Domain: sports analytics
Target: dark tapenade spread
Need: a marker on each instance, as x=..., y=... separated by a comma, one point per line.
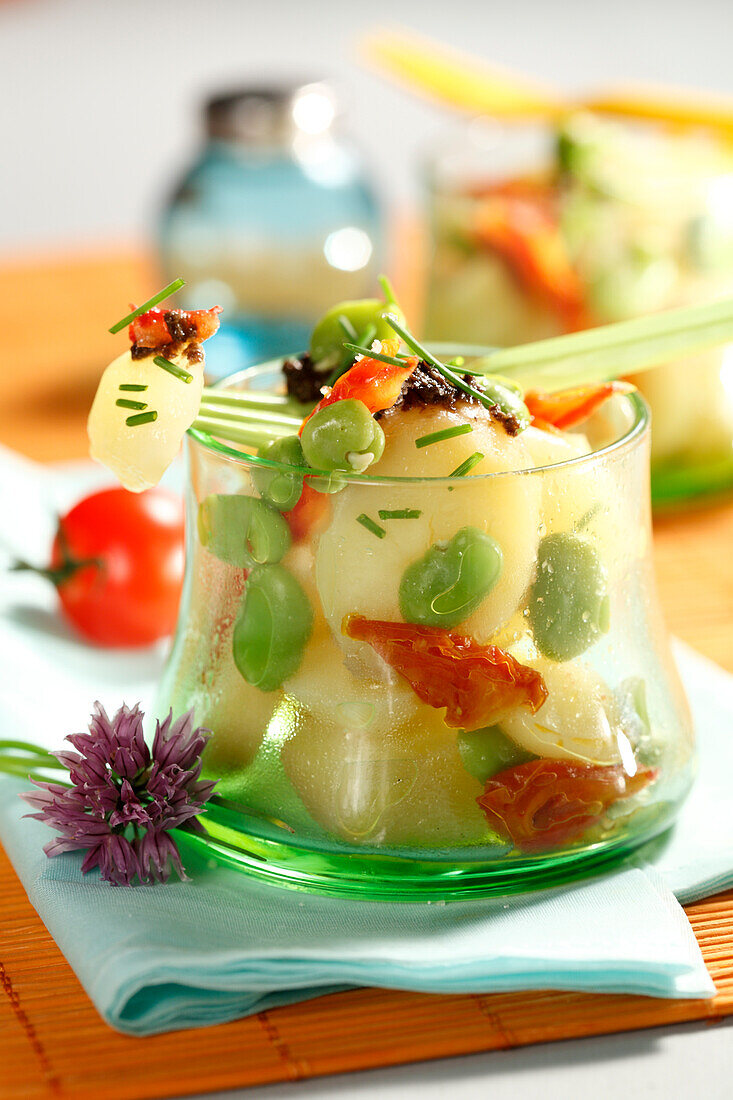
x=182, y=330
x=426, y=386
x=302, y=380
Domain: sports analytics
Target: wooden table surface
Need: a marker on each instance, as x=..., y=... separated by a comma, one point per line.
x=55, y=313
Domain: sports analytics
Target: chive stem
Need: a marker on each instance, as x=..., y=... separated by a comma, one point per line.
x=469, y=464
x=133, y=387
x=399, y=513
x=367, y=335
x=371, y=525
x=347, y=326
x=377, y=355
x=173, y=368
x=123, y=403
x=164, y=293
x=141, y=418
x=388, y=291
x=444, y=433
x=450, y=375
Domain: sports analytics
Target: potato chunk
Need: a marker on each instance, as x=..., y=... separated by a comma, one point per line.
x=140, y=454
x=375, y=766
x=358, y=573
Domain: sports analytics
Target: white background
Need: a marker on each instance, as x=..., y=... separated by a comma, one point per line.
x=99, y=98
x=98, y=113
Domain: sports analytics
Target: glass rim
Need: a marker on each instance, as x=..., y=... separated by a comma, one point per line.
x=628, y=439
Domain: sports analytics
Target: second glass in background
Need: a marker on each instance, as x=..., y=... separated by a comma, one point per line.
x=536, y=232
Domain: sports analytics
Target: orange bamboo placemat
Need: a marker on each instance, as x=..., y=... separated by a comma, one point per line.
x=54, y=313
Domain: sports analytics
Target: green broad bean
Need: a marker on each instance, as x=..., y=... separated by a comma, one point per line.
x=282, y=490
x=448, y=583
x=486, y=751
x=343, y=436
x=272, y=629
x=568, y=603
x=241, y=530
x=506, y=394
x=328, y=337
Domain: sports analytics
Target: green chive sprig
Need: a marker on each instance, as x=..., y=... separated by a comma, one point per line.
x=444, y=433
x=428, y=357
x=173, y=368
x=371, y=525
x=141, y=418
x=124, y=403
x=399, y=513
x=368, y=354
x=133, y=387
x=164, y=293
x=347, y=326
x=469, y=464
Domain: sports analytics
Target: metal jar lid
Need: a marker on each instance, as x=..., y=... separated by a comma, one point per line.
x=270, y=114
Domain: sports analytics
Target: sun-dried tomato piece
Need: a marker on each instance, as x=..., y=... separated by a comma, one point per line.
x=159, y=327
x=476, y=684
x=524, y=231
x=548, y=803
x=371, y=381
x=566, y=408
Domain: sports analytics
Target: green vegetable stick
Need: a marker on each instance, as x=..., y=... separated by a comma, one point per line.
x=611, y=351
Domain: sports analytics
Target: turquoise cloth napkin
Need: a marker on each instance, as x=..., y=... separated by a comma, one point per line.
x=184, y=955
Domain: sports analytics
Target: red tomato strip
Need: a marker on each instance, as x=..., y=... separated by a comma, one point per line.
x=307, y=513
x=159, y=327
x=566, y=408
x=525, y=233
x=375, y=383
x=548, y=803
x=476, y=684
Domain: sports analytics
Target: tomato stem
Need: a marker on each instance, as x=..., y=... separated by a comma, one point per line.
x=65, y=571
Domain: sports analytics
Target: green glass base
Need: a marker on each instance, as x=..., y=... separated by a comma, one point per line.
x=676, y=484
x=375, y=876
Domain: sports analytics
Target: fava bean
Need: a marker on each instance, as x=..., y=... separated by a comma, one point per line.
x=448, y=583
x=241, y=530
x=327, y=340
x=506, y=394
x=343, y=436
x=272, y=629
x=486, y=751
x=568, y=603
x=281, y=489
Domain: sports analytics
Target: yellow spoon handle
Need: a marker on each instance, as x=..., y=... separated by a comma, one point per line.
x=467, y=84
x=460, y=81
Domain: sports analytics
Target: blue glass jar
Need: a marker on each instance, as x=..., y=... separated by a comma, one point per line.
x=275, y=221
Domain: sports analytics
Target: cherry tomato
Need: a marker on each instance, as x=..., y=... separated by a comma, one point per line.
x=475, y=683
x=117, y=563
x=548, y=803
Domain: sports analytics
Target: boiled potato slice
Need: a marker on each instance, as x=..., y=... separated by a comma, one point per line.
x=574, y=723
x=372, y=764
x=140, y=454
x=358, y=573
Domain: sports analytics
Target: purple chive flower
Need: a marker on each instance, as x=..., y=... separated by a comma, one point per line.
x=125, y=798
